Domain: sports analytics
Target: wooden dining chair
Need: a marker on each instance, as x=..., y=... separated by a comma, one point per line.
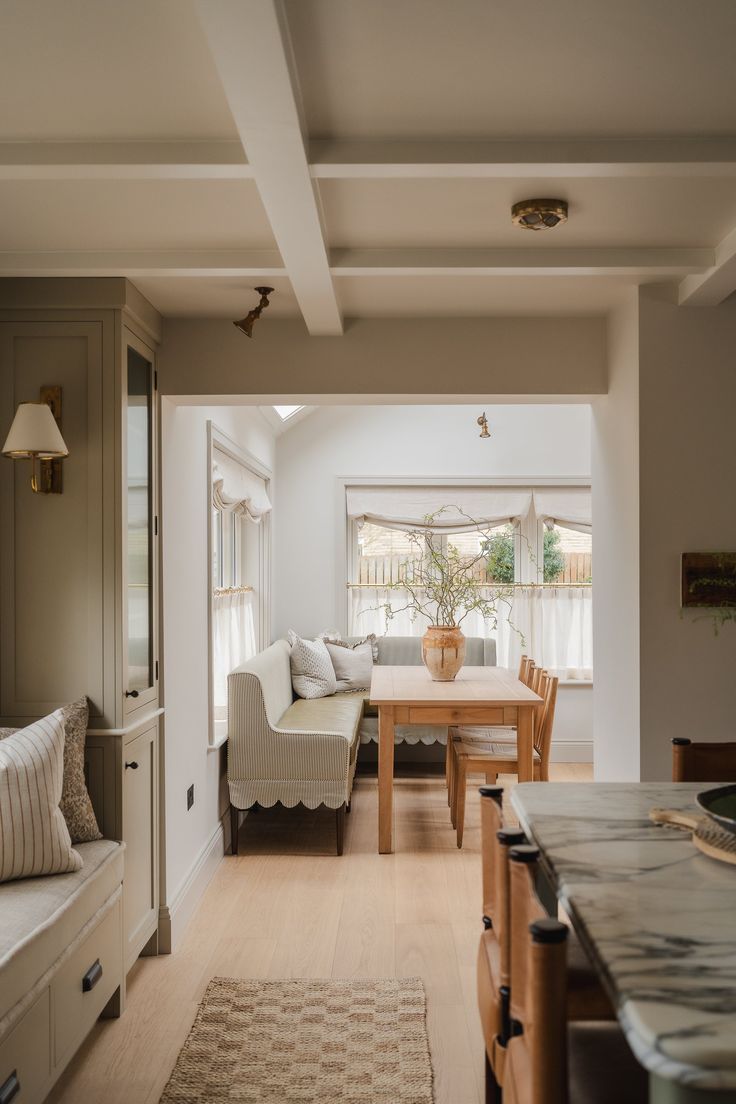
x=494, y=945
x=703, y=762
x=523, y=664
x=551, y=1059
x=499, y=755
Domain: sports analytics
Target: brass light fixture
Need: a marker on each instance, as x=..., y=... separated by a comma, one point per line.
x=482, y=421
x=539, y=214
x=36, y=435
x=245, y=325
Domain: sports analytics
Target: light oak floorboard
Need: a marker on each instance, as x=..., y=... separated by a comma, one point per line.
x=289, y=907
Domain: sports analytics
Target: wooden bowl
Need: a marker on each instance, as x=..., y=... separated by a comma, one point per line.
x=720, y=805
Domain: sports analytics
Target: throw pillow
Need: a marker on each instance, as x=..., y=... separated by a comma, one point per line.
x=312, y=673
x=34, y=838
x=334, y=637
x=75, y=805
x=353, y=665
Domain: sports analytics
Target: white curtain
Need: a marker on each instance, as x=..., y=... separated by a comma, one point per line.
x=236, y=489
x=234, y=640
x=555, y=622
x=571, y=507
x=469, y=508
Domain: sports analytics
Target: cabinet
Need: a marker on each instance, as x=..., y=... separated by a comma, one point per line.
x=79, y=571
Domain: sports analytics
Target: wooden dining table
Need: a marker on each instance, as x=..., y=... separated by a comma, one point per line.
x=476, y=696
x=658, y=920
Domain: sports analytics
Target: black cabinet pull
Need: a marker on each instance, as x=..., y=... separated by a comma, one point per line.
x=129, y=694
x=10, y=1088
x=92, y=976
x=133, y=766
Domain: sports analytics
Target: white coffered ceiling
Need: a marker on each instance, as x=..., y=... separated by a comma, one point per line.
x=361, y=156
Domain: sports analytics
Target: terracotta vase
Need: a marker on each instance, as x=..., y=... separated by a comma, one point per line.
x=443, y=651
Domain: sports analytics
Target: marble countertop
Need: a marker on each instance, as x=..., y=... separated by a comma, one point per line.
x=656, y=916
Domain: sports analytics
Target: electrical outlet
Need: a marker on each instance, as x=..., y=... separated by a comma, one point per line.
x=190, y=797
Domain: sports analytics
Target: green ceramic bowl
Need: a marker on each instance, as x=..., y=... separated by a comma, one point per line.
x=720, y=805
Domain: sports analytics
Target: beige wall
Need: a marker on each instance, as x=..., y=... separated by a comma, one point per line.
x=468, y=356
x=687, y=405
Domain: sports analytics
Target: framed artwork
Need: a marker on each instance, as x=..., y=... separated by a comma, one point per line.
x=708, y=579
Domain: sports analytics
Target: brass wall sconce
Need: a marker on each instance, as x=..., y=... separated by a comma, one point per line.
x=36, y=435
x=245, y=325
x=482, y=421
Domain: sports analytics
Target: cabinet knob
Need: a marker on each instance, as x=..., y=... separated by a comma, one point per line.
x=132, y=693
x=133, y=765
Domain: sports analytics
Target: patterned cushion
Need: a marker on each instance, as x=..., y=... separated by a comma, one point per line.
x=312, y=673
x=353, y=665
x=75, y=803
x=334, y=637
x=34, y=838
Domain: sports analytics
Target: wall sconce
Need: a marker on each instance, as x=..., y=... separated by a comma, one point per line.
x=482, y=421
x=35, y=434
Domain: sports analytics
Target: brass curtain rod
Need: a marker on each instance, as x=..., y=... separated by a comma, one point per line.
x=219, y=592
x=501, y=586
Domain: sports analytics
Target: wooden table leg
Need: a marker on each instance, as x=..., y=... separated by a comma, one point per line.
x=385, y=779
x=525, y=744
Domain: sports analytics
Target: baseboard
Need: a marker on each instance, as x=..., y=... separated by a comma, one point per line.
x=572, y=751
x=174, y=917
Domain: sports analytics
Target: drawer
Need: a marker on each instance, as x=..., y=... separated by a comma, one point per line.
x=85, y=983
x=25, y=1055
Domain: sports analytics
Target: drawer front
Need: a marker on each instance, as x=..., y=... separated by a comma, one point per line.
x=140, y=884
x=25, y=1055
x=85, y=983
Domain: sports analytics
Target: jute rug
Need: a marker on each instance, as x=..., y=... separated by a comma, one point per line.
x=306, y=1042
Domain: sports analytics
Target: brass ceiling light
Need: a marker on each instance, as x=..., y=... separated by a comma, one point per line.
x=539, y=214
x=482, y=421
x=245, y=325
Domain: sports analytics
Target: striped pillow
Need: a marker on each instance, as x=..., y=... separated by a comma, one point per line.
x=34, y=838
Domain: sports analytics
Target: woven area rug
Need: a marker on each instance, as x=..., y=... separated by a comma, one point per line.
x=306, y=1042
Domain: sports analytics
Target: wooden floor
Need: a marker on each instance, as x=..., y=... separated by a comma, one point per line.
x=288, y=907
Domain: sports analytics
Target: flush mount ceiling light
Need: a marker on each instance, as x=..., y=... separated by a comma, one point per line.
x=539, y=214
x=245, y=325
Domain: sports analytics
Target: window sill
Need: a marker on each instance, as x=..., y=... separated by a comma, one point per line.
x=587, y=683
x=218, y=742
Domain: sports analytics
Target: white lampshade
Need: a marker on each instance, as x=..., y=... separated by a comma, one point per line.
x=34, y=432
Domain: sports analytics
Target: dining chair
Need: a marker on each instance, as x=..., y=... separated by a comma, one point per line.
x=492, y=756
x=523, y=664
x=494, y=945
x=703, y=762
x=551, y=1058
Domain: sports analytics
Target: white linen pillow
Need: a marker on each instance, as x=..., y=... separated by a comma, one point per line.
x=312, y=673
x=334, y=637
x=34, y=838
x=353, y=665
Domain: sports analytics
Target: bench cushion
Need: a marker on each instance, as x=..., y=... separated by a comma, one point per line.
x=338, y=714
x=42, y=916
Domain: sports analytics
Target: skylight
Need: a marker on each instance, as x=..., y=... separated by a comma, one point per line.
x=285, y=412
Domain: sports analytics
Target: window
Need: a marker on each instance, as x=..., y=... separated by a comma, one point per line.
x=239, y=577
x=541, y=555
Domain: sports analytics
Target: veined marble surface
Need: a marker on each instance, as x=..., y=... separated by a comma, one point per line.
x=656, y=916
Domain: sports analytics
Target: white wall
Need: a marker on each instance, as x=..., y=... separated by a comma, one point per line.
x=185, y=521
x=687, y=406
x=527, y=442
x=615, y=460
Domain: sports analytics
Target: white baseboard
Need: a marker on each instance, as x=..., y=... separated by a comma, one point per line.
x=174, y=917
x=572, y=751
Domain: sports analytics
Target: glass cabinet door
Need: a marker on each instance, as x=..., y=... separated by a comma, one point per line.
x=138, y=555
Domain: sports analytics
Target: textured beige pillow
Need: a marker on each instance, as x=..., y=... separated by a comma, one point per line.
x=75, y=805
x=34, y=838
x=353, y=665
x=312, y=673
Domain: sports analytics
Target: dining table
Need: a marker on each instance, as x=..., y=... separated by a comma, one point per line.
x=657, y=918
x=408, y=695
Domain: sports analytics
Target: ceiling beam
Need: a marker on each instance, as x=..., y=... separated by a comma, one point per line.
x=335, y=159
x=123, y=161
x=526, y=261
x=261, y=263
x=251, y=49
x=711, y=287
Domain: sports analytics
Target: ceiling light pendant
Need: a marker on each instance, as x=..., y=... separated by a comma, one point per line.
x=482, y=421
x=539, y=214
x=245, y=325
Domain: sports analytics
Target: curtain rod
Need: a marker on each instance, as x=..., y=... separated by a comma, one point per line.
x=501, y=586
x=219, y=592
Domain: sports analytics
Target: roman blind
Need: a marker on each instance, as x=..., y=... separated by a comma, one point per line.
x=237, y=490
x=467, y=508
x=570, y=507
